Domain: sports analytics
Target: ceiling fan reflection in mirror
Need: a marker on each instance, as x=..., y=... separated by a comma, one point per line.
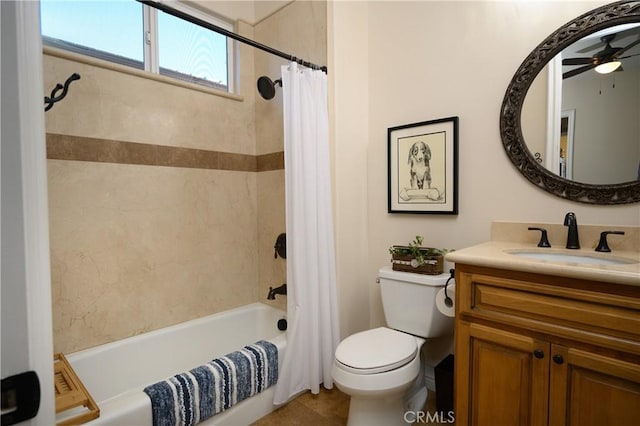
x=604, y=61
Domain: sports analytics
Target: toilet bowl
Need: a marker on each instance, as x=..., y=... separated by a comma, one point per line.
x=377, y=367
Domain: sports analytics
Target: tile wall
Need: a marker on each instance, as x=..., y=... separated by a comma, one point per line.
x=164, y=201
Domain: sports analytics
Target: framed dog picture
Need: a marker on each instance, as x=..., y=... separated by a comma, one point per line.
x=423, y=167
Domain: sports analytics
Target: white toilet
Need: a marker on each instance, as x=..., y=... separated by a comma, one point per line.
x=381, y=368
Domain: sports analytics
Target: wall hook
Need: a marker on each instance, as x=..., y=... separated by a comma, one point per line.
x=50, y=100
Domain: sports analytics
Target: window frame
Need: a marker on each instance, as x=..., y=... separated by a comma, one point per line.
x=150, y=40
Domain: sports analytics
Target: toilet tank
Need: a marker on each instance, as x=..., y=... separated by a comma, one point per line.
x=409, y=302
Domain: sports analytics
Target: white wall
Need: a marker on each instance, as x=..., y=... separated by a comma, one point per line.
x=397, y=62
x=26, y=343
x=606, y=130
x=348, y=57
x=249, y=11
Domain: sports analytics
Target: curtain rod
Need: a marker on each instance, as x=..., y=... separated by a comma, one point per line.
x=179, y=14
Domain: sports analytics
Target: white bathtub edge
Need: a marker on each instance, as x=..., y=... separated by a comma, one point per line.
x=138, y=405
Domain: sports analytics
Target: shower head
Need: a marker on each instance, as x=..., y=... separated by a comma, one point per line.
x=267, y=88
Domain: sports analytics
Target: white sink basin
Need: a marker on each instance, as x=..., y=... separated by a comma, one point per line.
x=561, y=257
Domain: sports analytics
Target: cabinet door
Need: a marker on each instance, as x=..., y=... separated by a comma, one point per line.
x=591, y=389
x=502, y=378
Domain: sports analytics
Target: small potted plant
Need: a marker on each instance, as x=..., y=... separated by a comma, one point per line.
x=415, y=258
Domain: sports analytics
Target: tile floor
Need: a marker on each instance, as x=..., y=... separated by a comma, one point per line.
x=328, y=408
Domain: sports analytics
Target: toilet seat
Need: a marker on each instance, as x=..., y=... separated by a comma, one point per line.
x=376, y=351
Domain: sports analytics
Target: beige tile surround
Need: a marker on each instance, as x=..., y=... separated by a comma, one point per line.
x=164, y=201
x=130, y=241
x=135, y=248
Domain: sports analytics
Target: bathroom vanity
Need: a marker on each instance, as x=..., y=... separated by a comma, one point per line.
x=545, y=342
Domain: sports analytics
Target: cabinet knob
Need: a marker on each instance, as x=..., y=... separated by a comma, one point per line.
x=538, y=353
x=558, y=359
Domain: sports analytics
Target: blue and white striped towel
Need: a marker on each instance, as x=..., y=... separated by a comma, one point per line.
x=189, y=398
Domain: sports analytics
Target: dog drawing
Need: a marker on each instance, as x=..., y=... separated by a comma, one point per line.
x=419, y=156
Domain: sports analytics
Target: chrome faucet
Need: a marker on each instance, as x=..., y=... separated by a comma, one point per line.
x=573, y=241
x=278, y=290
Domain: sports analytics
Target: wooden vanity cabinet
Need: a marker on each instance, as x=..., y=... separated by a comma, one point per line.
x=532, y=349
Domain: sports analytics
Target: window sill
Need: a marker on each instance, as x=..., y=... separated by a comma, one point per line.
x=60, y=53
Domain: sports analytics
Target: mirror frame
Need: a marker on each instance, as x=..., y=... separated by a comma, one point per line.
x=621, y=12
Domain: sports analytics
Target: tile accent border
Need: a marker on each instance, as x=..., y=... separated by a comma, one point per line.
x=78, y=148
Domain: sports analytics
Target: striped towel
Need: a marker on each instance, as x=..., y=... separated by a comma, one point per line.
x=189, y=398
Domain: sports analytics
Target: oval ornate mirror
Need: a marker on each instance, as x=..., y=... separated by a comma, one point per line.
x=596, y=28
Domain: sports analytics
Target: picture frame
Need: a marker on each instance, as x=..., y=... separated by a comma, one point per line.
x=423, y=167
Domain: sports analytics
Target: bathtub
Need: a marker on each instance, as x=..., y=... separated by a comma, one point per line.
x=116, y=373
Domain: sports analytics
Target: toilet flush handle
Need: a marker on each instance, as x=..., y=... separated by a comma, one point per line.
x=448, y=301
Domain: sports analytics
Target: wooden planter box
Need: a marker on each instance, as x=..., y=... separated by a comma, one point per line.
x=434, y=265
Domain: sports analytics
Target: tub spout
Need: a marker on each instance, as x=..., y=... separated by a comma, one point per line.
x=278, y=290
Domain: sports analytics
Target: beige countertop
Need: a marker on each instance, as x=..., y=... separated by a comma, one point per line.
x=495, y=254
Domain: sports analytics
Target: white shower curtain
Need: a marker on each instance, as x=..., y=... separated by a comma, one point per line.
x=312, y=314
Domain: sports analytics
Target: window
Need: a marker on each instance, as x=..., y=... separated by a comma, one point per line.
x=188, y=49
x=132, y=34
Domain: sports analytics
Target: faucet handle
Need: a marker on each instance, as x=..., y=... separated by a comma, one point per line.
x=602, y=245
x=544, y=241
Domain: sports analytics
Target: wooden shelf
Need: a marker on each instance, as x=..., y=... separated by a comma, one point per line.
x=71, y=393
